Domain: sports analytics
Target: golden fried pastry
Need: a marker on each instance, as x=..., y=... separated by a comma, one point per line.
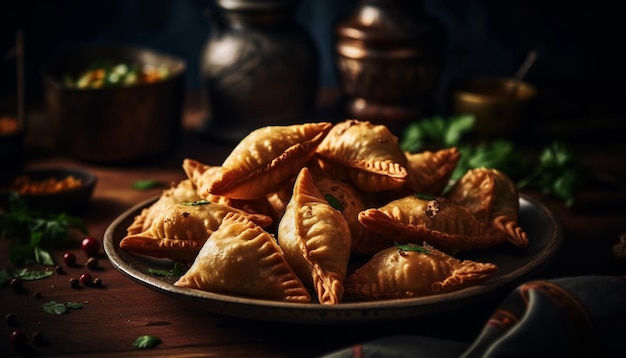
x=343, y=197
x=429, y=172
x=439, y=222
x=364, y=154
x=491, y=196
x=182, y=192
x=202, y=175
x=265, y=158
x=412, y=270
x=279, y=199
x=242, y=258
x=316, y=240
x=179, y=231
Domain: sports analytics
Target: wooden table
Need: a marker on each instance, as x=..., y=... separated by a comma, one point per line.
x=113, y=316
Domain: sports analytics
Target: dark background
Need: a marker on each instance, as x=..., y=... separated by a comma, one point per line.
x=578, y=42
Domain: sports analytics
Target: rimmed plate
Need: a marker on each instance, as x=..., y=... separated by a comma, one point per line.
x=542, y=226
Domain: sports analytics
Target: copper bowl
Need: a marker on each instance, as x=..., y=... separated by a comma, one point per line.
x=499, y=107
x=115, y=124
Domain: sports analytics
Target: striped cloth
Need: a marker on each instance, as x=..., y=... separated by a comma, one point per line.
x=582, y=316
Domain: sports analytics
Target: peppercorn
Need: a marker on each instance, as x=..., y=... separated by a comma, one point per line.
x=97, y=282
x=74, y=282
x=11, y=319
x=92, y=263
x=38, y=338
x=59, y=269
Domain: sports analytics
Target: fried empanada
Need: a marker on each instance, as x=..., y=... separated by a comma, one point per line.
x=414, y=271
x=242, y=258
x=203, y=175
x=449, y=227
x=364, y=154
x=265, y=158
x=343, y=197
x=491, y=196
x=179, y=231
x=182, y=192
x=316, y=240
x=429, y=172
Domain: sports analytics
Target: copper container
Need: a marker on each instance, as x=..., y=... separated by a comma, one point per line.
x=501, y=106
x=389, y=56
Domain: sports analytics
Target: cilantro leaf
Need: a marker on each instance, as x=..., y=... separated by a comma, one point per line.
x=54, y=307
x=177, y=270
x=24, y=273
x=442, y=132
x=147, y=341
x=410, y=247
x=32, y=232
x=73, y=305
x=333, y=201
x=555, y=172
x=197, y=203
x=147, y=184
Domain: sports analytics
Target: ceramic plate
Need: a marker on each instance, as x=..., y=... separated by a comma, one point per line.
x=541, y=225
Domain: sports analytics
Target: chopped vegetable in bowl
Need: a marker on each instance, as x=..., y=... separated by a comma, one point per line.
x=109, y=74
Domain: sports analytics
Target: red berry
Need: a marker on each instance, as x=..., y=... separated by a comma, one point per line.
x=69, y=259
x=18, y=338
x=90, y=246
x=86, y=279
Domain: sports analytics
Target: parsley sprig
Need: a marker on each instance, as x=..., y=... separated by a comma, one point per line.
x=33, y=233
x=555, y=172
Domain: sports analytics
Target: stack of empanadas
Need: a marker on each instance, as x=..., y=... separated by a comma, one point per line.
x=317, y=212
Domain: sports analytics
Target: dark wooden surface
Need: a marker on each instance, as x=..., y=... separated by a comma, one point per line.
x=113, y=316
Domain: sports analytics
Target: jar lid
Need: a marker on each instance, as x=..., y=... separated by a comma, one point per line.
x=254, y=5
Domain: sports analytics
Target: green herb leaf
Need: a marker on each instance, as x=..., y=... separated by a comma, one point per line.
x=147, y=341
x=43, y=257
x=32, y=232
x=556, y=173
x=411, y=247
x=197, y=203
x=158, y=272
x=440, y=131
x=424, y=196
x=177, y=270
x=147, y=184
x=333, y=201
x=73, y=305
x=54, y=307
x=497, y=154
x=24, y=273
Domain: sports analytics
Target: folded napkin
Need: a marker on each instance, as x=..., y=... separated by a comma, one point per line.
x=582, y=316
